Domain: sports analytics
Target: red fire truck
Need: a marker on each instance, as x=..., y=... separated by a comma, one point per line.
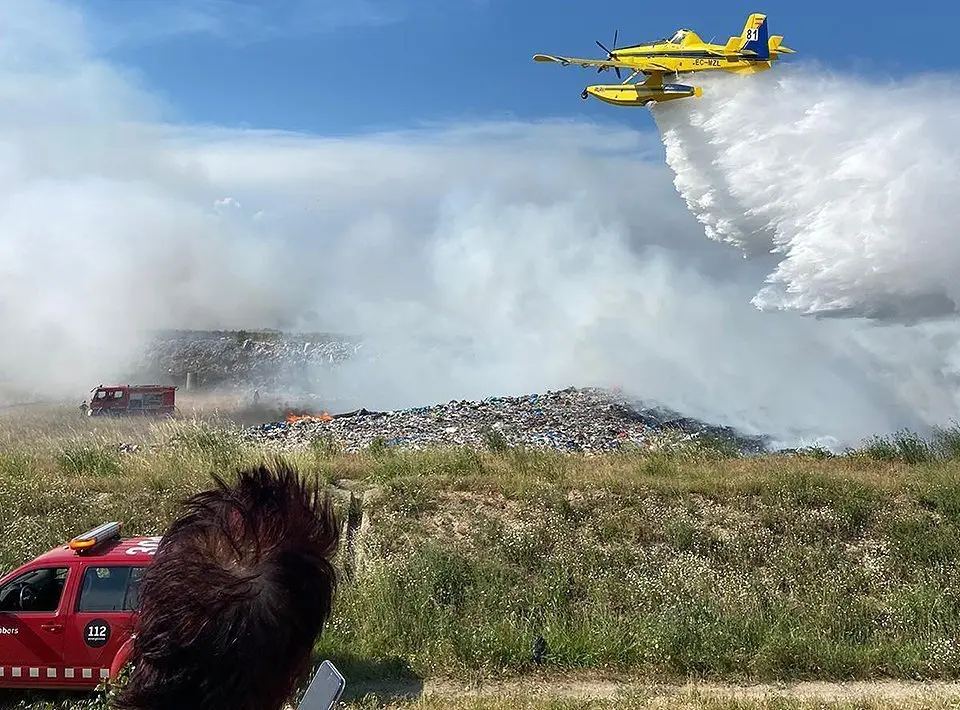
x=67, y=617
x=125, y=400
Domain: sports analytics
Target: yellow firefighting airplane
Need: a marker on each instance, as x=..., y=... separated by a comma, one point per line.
x=753, y=51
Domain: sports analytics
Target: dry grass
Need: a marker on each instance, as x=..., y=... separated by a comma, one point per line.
x=604, y=696
x=601, y=695
x=631, y=702
x=663, y=566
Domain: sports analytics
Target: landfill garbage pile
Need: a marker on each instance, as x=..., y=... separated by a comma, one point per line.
x=587, y=420
x=242, y=361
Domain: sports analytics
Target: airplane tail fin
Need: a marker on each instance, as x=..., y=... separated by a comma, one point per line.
x=776, y=46
x=755, y=38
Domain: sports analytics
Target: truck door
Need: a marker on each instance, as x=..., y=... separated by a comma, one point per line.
x=103, y=619
x=33, y=613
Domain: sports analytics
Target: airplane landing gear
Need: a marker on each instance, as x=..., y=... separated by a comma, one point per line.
x=584, y=94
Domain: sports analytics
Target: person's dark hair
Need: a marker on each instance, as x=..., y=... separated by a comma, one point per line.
x=240, y=588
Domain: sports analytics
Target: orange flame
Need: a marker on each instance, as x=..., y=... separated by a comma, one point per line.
x=324, y=417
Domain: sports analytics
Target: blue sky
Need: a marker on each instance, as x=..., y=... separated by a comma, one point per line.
x=324, y=67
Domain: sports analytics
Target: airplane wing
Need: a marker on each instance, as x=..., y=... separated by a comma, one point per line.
x=654, y=68
x=643, y=65
x=565, y=61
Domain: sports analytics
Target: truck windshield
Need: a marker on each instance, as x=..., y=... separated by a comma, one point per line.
x=38, y=590
x=103, y=395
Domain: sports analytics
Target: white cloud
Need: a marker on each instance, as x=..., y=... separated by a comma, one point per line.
x=529, y=255
x=226, y=203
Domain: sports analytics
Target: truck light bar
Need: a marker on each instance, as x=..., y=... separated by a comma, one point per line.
x=94, y=537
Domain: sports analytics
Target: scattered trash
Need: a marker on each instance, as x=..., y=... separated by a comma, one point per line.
x=288, y=372
x=588, y=420
x=229, y=361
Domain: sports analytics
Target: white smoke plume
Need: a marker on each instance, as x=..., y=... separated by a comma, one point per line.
x=526, y=256
x=852, y=182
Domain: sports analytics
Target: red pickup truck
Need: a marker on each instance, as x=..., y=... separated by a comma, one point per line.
x=67, y=617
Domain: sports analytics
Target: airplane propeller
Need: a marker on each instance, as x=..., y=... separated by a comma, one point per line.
x=609, y=53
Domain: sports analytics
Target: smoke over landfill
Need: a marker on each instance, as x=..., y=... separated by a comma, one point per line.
x=487, y=259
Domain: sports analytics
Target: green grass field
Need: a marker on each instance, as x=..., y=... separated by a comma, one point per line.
x=657, y=568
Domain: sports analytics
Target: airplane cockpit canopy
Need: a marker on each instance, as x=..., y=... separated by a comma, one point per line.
x=678, y=37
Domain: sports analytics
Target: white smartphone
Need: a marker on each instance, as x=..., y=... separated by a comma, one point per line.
x=324, y=690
